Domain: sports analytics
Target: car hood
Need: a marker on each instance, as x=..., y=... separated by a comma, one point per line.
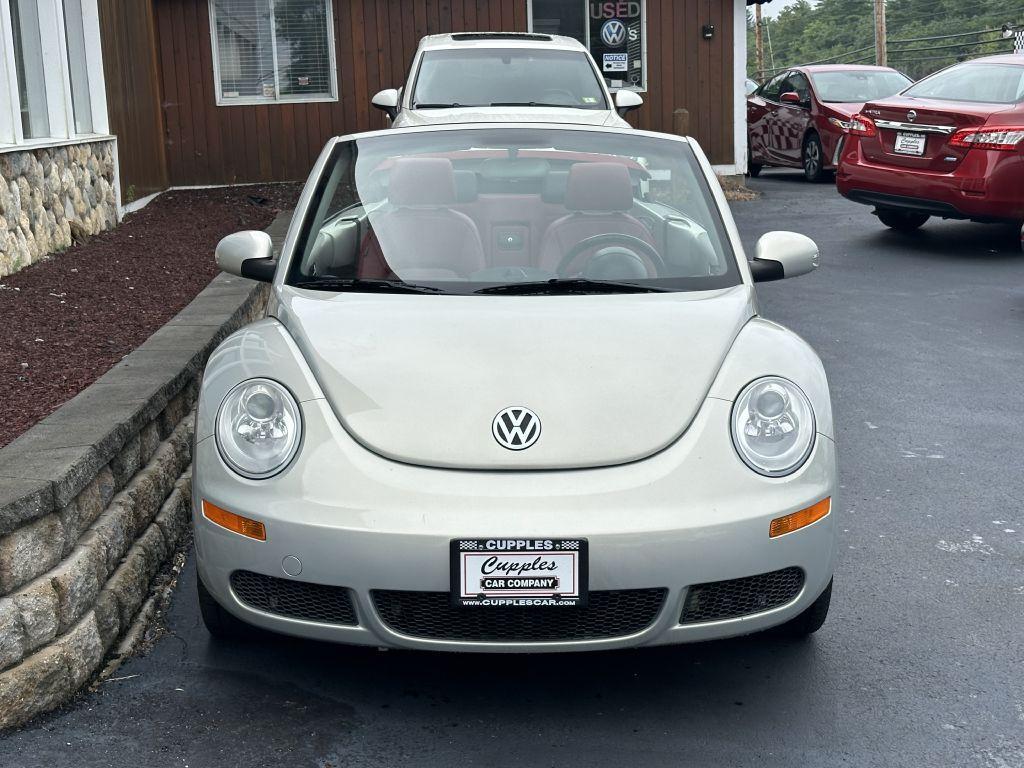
x=420, y=379
x=411, y=117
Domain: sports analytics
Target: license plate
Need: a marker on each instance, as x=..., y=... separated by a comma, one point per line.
x=519, y=572
x=910, y=143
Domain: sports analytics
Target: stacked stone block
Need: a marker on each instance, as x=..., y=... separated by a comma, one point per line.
x=49, y=197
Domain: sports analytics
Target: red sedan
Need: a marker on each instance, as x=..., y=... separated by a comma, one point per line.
x=797, y=119
x=951, y=145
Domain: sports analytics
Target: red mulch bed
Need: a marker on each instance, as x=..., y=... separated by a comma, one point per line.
x=67, y=320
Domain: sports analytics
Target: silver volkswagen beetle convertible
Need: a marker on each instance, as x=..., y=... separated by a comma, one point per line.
x=513, y=393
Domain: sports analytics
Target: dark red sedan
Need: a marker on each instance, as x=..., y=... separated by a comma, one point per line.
x=951, y=145
x=798, y=118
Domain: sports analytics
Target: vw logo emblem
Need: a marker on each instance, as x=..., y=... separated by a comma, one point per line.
x=613, y=33
x=516, y=428
x=911, y=115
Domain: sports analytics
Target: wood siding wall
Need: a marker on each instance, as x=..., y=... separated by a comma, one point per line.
x=374, y=41
x=133, y=95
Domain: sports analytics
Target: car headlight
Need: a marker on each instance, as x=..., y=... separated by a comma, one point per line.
x=258, y=428
x=773, y=426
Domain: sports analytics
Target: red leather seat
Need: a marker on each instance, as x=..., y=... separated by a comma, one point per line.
x=600, y=196
x=420, y=233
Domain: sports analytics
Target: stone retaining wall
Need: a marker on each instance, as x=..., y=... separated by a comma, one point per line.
x=52, y=196
x=95, y=498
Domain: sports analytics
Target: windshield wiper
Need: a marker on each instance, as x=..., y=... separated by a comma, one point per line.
x=535, y=104
x=442, y=105
x=366, y=285
x=557, y=287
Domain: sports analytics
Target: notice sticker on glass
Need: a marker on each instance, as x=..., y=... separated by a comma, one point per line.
x=616, y=62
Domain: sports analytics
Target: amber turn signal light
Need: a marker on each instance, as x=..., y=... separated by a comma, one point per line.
x=798, y=520
x=242, y=525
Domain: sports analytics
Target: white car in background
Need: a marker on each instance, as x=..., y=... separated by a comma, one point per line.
x=473, y=77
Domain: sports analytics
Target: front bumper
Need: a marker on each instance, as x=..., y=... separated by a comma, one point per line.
x=985, y=186
x=691, y=514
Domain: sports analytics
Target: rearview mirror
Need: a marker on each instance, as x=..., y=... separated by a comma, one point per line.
x=626, y=101
x=791, y=97
x=387, y=100
x=247, y=254
x=779, y=255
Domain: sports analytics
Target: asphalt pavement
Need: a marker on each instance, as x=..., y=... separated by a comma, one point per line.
x=921, y=662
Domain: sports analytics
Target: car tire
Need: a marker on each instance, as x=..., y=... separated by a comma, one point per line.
x=902, y=221
x=812, y=159
x=219, y=623
x=811, y=619
x=753, y=169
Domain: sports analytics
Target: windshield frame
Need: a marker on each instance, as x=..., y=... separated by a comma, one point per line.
x=410, y=91
x=737, y=270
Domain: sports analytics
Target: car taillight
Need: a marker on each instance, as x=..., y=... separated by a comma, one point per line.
x=860, y=125
x=1006, y=138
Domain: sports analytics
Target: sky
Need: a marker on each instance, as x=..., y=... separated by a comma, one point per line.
x=772, y=9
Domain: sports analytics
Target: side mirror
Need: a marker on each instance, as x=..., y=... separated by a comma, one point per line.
x=791, y=97
x=387, y=100
x=779, y=255
x=626, y=101
x=247, y=254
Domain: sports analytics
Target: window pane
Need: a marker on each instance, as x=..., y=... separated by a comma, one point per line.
x=28, y=63
x=303, y=58
x=245, y=53
x=560, y=17
x=75, y=32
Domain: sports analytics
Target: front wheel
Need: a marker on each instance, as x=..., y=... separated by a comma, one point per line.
x=813, y=158
x=902, y=221
x=812, y=618
x=753, y=169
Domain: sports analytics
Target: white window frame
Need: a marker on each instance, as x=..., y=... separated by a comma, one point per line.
x=59, y=106
x=585, y=7
x=277, y=98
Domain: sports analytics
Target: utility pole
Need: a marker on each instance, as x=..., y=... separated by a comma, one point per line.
x=758, y=42
x=880, y=35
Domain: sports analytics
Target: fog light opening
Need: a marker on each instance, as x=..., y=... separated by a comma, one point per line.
x=793, y=522
x=243, y=526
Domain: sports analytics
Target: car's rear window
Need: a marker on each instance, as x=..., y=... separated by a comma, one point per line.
x=987, y=83
x=858, y=85
x=507, y=76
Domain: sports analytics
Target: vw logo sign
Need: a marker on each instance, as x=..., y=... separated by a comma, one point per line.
x=613, y=33
x=516, y=428
x=911, y=115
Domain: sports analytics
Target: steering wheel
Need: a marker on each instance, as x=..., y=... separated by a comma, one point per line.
x=612, y=237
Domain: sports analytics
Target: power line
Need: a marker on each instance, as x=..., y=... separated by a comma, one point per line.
x=972, y=44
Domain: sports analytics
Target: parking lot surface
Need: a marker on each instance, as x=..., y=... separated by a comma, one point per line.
x=921, y=662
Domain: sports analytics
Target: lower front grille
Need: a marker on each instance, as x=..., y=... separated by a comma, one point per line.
x=294, y=599
x=430, y=615
x=730, y=599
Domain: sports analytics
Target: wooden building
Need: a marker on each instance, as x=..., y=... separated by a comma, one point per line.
x=172, y=75
x=228, y=91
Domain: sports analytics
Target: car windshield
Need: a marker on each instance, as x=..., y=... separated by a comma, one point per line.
x=512, y=210
x=507, y=77
x=858, y=85
x=986, y=83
